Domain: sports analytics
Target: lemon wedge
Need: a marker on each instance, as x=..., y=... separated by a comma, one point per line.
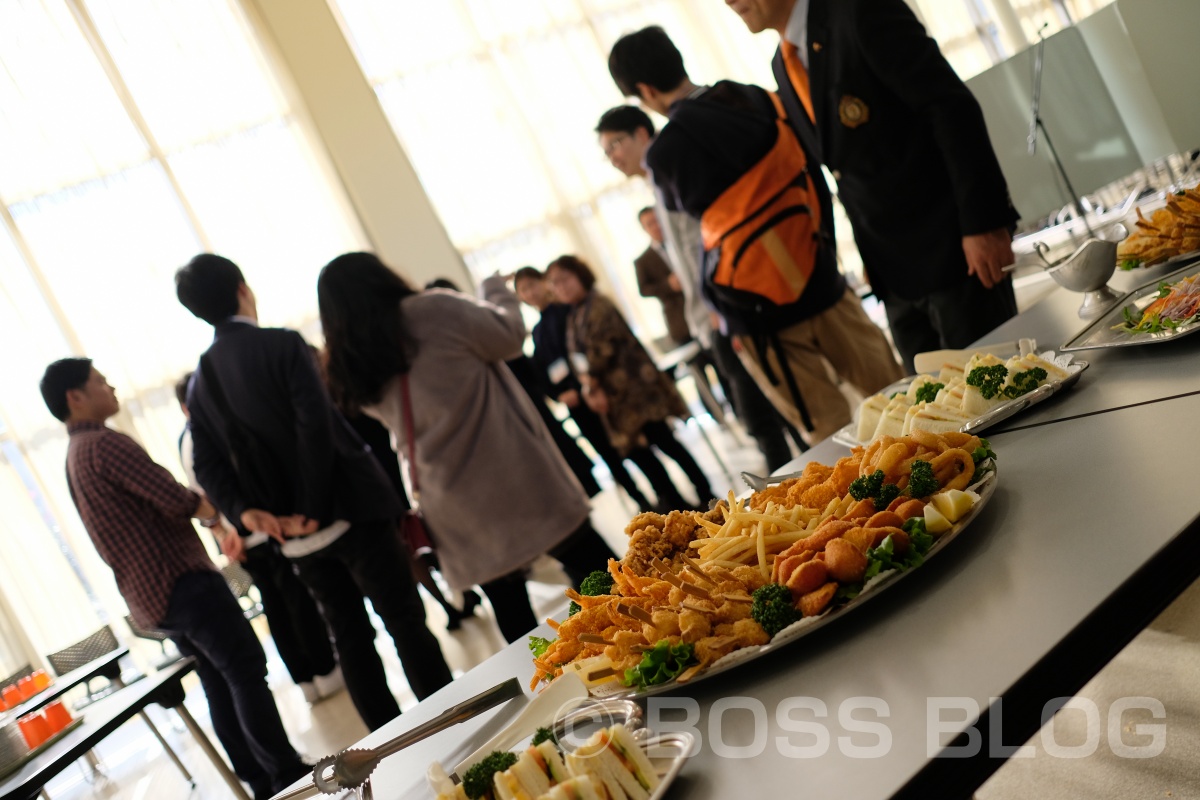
x=953, y=504
x=935, y=521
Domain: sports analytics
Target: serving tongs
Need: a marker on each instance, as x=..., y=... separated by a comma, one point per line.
x=351, y=769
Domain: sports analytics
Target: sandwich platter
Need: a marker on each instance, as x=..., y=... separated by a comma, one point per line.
x=595, y=750
x=952, y=404
x=1107, y=331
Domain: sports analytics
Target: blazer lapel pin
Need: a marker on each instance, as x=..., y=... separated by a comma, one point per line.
x=853, y=111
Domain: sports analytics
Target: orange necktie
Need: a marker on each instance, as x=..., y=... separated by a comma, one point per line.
x=798, y=75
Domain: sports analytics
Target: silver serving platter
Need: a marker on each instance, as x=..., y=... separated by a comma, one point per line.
x=985, y=487
x=846, y=435
x=1100, y=334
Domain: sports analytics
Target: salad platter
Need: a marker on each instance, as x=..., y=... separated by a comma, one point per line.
x=767, y=570
x=1158, y=310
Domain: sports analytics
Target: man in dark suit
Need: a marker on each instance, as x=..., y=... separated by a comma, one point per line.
x=871, y=96
x=655, y=279
x=274, y=455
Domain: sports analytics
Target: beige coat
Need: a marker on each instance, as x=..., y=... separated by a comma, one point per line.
x=495, y=490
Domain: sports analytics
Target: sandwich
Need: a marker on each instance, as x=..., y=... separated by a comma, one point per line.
x=891, y=422
x=916, y=385
x=949, y=372
x=537, y=769
x=868, y=416
x=1031, y=361
x=937, y=418
x=952, y=393
x=614, y=758
x=585, y=787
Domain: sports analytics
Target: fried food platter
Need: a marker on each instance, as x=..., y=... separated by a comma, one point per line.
x=1103, y=333
x=706, y=575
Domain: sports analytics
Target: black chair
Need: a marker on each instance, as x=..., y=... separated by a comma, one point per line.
x=240, y=583
x=84, y=652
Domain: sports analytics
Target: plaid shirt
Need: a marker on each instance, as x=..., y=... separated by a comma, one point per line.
x=137, y=515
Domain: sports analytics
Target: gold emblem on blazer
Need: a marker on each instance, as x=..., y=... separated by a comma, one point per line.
x=852, y=111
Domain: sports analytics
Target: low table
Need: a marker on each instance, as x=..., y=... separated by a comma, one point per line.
x=164, y=688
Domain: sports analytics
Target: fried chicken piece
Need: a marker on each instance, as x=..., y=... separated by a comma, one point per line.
x=749, y=633
x=845, y=562
x=666, y=621
x=845, y=471
x=819, y=496
x=730, y=611
x=589, y=620
x=654, y=536
x=711, y=648
x=750, y=577
x=694, y=625
x=815, y=602
x=807, y=577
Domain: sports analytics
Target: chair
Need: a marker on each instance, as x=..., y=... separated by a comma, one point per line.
x=240, y=583
x=84, y=652
x=168, y=658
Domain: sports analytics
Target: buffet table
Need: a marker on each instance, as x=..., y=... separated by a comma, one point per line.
x=1094, y=529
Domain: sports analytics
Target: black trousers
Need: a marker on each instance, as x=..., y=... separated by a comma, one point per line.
x=368, y=562
x=659, y=435
x=576, y=459
x=296, y=624
x=757, y=414
x=950, y=319
x=581, y=554
x=592, y=427
x=205, y=621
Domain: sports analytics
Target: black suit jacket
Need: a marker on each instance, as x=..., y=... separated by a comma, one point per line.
x=320, y=469
x=905, y=139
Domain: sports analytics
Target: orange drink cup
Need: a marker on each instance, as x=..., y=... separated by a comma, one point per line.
x=12, y=696
x=35, y=729
x=40, y=680
x=57, y=717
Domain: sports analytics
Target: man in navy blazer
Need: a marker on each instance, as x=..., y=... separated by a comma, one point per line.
x=289, y=465
x=872, y=98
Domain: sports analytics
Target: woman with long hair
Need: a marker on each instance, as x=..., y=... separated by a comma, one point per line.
x=622, y=384
x=494, y=490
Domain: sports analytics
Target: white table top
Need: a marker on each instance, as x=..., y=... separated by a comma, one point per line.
x=1083, y=504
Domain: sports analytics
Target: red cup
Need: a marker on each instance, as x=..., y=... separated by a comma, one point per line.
x=40, y=680
x=25, y=687
x=12, y=696
x=3, y=705
x=57, y=717
x=35, y=729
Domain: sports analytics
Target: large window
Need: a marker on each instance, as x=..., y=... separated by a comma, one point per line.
x=133, y=134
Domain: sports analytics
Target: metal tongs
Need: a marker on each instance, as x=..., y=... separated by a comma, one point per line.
x=351, y=769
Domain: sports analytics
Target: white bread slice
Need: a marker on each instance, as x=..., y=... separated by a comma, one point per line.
x=892, y=421
x=508, y=786
x=593, y=763
x=936, y=418
x=869, y=413
x=1028, y=362
x=556, y=770
x=622, y=744
x=981, y=360
x=950, y=371
x=531, y=771
x=908, y=416
x=974, y=404
x=951, y=395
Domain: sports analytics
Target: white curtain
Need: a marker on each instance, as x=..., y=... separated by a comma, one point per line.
x=133, y=134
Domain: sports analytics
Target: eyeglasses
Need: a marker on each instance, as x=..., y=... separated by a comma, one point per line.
x=613, y=143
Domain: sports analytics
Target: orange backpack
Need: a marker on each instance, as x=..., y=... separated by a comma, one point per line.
x=761, y=235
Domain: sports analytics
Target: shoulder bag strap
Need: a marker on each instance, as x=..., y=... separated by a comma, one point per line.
x=409, y=437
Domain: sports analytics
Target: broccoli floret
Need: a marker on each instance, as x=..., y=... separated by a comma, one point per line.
x=477, y=782
x=867, y=485
x=983, y=452
x=988, y=380
x=887, y=493
x=544, y=735
x=773, y=608
x=922, y=483
x=599, y=582
x=1025, y=382
x=928, y=392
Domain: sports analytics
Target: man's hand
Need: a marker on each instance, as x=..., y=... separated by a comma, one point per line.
x=233, y=545
x=298, y=525
x=988, y=254
x=597, y=401
x=673, y=282
x=569, y=398
x=206, y=510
